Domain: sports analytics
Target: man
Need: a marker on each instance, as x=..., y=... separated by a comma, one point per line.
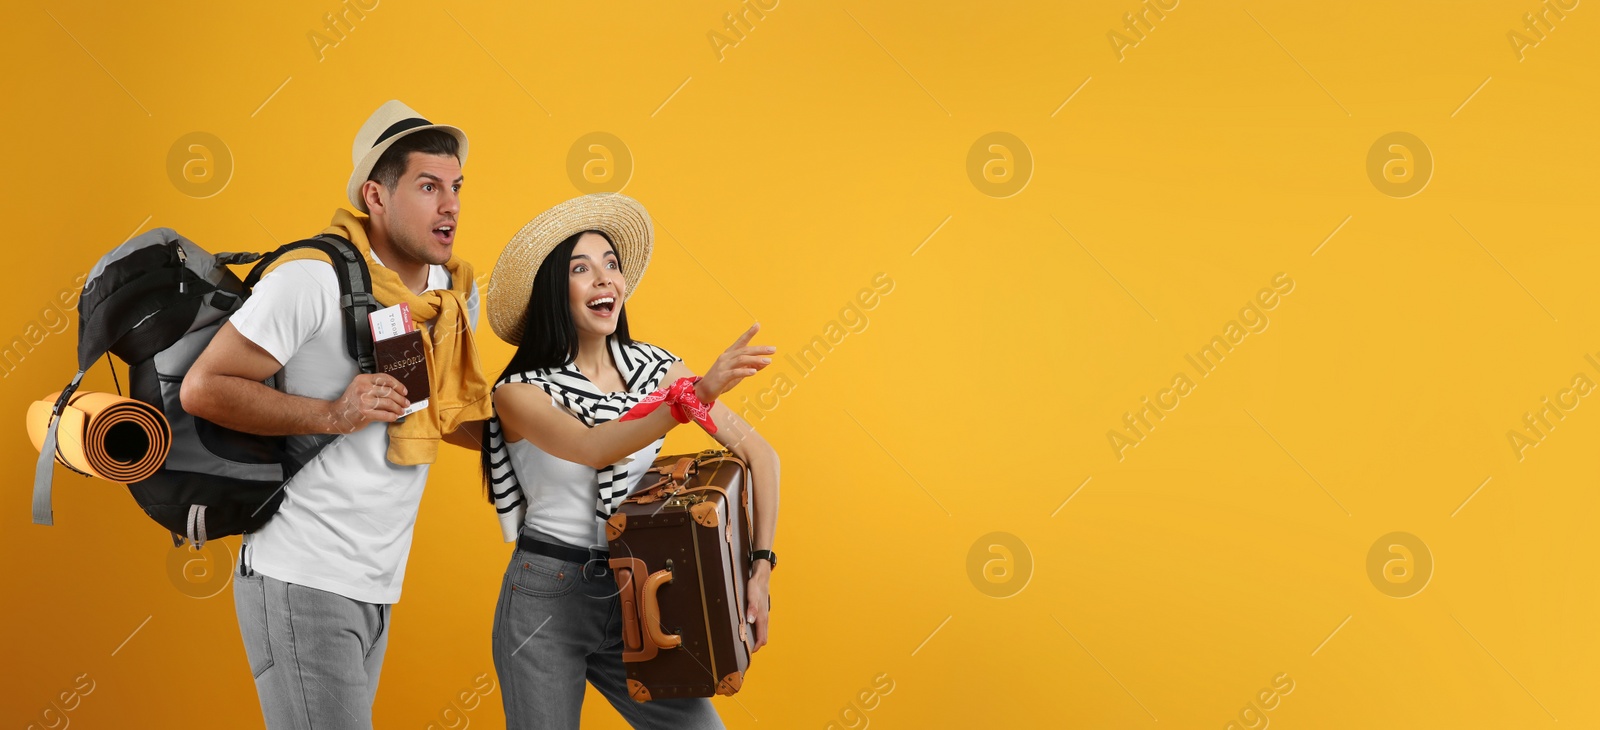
x=316, y=584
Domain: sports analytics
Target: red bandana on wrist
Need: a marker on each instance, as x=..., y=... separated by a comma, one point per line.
x=686, y=406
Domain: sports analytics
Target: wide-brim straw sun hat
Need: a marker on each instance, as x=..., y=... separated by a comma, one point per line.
x=388, y=125
x=621, y=218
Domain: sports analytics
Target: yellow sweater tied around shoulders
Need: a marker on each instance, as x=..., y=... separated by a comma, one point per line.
x=460, y=393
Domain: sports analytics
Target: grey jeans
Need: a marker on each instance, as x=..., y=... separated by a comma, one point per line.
x=557, y=625
x=315, y=655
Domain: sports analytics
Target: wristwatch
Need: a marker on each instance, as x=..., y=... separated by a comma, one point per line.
x=767, y=555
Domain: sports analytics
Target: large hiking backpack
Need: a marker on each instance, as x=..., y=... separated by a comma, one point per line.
x=155, y=302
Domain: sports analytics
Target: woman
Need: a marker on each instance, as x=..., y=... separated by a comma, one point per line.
x=564, y=450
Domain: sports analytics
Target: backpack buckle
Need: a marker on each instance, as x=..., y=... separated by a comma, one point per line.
x=358, y=299
x=66, y=396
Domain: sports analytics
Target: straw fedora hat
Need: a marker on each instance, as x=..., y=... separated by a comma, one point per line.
x=620, y=217
x=388, y=125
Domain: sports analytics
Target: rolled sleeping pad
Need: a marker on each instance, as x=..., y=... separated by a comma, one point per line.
x=104, y=435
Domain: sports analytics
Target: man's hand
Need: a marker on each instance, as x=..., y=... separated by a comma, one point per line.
x=369, y=397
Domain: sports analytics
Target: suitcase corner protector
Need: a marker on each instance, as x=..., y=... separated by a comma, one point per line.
x=706, y=514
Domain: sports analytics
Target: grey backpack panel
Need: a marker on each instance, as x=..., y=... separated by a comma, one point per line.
x=156, y=301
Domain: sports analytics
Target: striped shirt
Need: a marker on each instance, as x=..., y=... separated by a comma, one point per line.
x=569, y=500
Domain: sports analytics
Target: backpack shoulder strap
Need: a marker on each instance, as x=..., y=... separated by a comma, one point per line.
x=355, y=290
x=355, y=302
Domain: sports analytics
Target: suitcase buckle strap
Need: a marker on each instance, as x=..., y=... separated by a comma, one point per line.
x=682, y=470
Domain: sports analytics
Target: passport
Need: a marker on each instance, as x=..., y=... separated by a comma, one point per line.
x=401, y=356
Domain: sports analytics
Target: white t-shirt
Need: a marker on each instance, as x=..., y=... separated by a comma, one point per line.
x=560, y=493
x=346, y=520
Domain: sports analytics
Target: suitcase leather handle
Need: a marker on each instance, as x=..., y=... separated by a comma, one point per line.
x=652, y=611
x=635, y=646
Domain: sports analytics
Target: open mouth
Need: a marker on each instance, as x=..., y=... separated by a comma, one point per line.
x=602, y=305
x=445, y=234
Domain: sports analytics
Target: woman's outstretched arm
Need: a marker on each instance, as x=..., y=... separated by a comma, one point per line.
x=528, y=412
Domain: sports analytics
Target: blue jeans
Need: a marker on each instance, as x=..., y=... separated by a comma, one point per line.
x=315, y=655
x=557, y=625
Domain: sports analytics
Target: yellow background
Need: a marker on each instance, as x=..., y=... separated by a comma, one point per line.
x=1228, y=548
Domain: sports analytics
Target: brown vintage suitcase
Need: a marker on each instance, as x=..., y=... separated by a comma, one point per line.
x=680, y=550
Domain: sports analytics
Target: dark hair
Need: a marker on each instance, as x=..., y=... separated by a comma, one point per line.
x=392, y=163
x=549, y=336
